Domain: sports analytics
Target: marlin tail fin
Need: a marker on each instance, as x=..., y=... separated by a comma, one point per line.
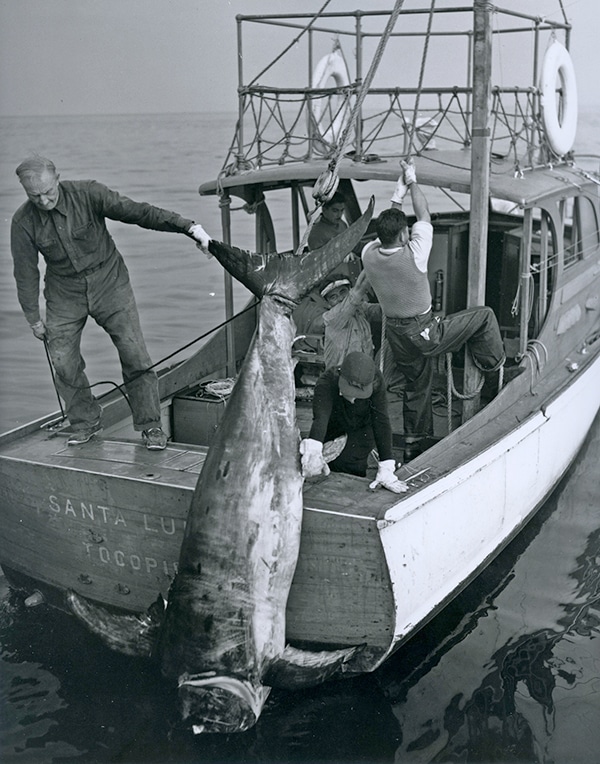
x=288, y=275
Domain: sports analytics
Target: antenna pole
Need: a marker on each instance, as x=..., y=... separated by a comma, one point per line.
x=480, y=152
x=480, y=178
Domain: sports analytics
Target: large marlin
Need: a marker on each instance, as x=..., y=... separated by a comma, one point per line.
x=222, y=637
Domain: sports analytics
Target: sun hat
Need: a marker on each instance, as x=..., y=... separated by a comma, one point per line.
x=335, y=285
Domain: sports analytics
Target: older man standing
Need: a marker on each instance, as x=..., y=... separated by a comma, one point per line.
x=86, y=276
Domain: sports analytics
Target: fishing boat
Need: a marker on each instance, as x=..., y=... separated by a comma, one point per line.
x=516, y=227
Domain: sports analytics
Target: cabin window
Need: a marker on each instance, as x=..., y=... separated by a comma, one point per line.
x=581, y=230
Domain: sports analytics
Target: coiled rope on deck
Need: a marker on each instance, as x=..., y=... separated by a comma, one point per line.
x=451, y=389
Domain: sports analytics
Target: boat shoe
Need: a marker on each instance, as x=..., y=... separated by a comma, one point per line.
x=82, y=436
x=155, y=439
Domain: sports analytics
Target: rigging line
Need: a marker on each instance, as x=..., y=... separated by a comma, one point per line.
x=364, y=89
x=328, y=180
x=202, y=336
x=413, y=126
x=52, y=374
x=154, y=365
x=562, y=7
x=291, y=45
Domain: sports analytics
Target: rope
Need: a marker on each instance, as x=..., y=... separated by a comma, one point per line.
x=383, y=341
x=449, y=387
x=413, y=126
x=144, y=371
x=366, y=84
x=452, y=388
x=501, y=378
x=313, y=217
x=532, y=355
x=327, y=183
x=291, y=45
x=62, y=411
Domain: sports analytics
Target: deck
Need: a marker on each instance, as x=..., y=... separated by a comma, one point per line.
x=120, y=454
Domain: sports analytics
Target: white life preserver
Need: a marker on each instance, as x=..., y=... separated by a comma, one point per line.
x=334, y=66
x=560, y=125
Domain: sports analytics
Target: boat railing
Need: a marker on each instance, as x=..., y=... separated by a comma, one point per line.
x=282, y=129
x=301, y=122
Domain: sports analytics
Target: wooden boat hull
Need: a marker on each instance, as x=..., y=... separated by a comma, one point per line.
x=106, y=520
x=112, y=538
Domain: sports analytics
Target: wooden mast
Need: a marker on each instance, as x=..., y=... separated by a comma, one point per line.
x=480, y=176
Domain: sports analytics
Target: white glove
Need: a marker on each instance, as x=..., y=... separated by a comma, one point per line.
x=201, y=237
x=400, y=190
x=312, y=461
x=39, y=330
x=410, y=174
x=386, y=478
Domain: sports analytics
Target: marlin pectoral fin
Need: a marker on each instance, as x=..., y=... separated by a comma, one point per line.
x=333, y=448
x=295, y=669
x=128, y=634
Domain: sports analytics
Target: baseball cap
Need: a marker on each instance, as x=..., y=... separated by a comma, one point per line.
x=357, y=373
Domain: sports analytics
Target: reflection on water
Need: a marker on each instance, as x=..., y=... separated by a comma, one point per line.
x=510, y=671
x=518, y=677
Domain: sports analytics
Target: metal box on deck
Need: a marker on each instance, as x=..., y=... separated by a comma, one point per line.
x=196, y=418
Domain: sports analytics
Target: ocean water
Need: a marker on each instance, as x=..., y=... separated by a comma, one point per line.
x=509, y=672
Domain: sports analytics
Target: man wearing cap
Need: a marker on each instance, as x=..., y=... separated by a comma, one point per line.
x=348, y=319
x=351, y=400
x=396, y=266
x=86, y=276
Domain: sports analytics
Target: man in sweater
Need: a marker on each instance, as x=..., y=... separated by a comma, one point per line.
x=348, y=318
x=86, y=276
x=396, y=267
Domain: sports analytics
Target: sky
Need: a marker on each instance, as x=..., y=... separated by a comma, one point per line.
x=154, y=56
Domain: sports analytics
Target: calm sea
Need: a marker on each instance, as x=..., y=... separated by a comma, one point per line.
x=510, y=672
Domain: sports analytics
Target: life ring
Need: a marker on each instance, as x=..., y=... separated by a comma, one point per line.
x=560, y=124
x=331, y=66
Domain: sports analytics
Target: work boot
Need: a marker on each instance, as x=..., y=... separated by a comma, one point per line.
x=82, y=436
x=155, y=439
x=414, y=448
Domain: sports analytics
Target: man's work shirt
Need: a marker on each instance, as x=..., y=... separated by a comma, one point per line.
x=348, y=328
x=323, y=231
x=333, y=415
x=73, y=236
x=399, y=275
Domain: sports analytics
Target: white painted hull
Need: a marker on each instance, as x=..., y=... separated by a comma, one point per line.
x=436, y=541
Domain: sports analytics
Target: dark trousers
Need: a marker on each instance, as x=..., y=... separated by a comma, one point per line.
x=106, y=296
x=414, y=343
